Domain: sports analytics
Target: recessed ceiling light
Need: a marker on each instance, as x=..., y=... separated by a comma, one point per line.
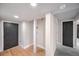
x=62, y=6
x=16, y=16
x=33, y=4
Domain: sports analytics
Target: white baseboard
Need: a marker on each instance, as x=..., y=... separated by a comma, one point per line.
x=27, y=46
x=40, y=46
x=59, y=43
x=31, y=45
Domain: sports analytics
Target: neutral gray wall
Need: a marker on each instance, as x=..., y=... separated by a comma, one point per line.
x=59, y=41
x=41, y=33
x=26, y=34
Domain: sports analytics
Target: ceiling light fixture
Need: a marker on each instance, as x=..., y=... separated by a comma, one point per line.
x=33, y=4
x=16, y=16
x=62, y=6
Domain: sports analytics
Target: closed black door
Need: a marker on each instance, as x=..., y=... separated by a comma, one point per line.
x=78, y=31
x=10, y=35
x=68, y=33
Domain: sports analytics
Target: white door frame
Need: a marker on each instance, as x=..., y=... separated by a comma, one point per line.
x=74, y=31
x=3, y=32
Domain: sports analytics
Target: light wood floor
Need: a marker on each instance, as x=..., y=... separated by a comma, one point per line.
x=18, y=51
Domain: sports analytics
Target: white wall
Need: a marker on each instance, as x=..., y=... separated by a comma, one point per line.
x=59, y=41
x=40, y=42
x=51, y=34
x=1, y=36
x=76, y=21
x=26, y=34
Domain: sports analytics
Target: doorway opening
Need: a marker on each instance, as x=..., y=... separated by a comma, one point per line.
x=68, y=33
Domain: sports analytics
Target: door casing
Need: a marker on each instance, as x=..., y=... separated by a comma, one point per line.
x=3, y=30
x=69, y=32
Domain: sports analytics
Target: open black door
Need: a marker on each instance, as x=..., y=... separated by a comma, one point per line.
x=10, y=35
x=68, y=33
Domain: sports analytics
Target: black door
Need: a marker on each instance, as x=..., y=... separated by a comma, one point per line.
x=10, y=35
x=78, y=31
x=68, y=33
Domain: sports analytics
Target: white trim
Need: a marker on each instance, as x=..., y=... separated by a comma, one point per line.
x=27, y=46
x=40, y=46
x=74, y=34
x=34, y=35
x=9, y=21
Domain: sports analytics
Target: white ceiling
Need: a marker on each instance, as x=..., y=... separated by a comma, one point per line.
x=26, y=12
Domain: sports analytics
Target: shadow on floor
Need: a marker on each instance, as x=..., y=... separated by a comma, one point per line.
x=66, y=51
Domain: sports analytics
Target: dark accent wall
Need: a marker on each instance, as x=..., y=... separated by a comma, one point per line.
x=68, y=33
x=10, y=35
x=78, y=31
